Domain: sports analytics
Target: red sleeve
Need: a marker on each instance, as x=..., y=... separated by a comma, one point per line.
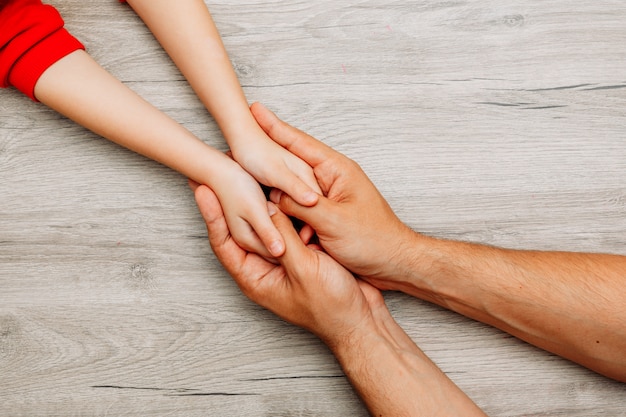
x=32, y=38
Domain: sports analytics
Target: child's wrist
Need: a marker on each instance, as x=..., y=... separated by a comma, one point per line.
x=219, y=171
x=242, y=136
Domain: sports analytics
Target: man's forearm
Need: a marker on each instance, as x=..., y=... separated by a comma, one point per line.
x=394, y=377
x=568, y=303
x=186, y=31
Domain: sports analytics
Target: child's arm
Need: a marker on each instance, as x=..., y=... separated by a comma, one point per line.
x=77, y=87
x=187, y=32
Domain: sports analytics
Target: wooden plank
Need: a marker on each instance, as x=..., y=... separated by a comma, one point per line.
x=493, y=121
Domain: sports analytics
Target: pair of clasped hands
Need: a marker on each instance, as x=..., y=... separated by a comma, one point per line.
x=313, y=285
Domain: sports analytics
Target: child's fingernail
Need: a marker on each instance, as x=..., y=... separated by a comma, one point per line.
x=271, y=208
x=276, y=248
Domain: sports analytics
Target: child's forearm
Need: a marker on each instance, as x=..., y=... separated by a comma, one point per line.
x=186, y=31
x=77, y=87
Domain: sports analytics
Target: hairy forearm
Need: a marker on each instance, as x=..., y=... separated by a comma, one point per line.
x=568, y=303
x=80, y=89
x=394, y=377
x=186, y=31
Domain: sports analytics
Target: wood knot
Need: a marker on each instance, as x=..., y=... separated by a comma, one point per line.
x=513, y=20
x=140, y=277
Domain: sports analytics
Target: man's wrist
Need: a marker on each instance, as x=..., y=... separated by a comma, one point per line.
x=355, y=346
x=420, y=267
x=384, y=365
x=410, y=261
x=377, y=331
x=433, y=269
x=393, y=376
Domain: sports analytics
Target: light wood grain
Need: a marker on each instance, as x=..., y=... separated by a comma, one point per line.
x=493, y=121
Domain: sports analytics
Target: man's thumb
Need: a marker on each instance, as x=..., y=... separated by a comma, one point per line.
x=317, y=216
x=295, y=250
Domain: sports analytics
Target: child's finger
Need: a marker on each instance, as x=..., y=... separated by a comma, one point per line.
x=302, y=193
x=268, y=233
x=297, y=189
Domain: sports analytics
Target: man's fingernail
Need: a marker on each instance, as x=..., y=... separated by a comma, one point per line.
x=310, y=197
x=276, y=248
x=275, y=195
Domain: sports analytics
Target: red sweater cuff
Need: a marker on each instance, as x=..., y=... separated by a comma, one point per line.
x=27, y=70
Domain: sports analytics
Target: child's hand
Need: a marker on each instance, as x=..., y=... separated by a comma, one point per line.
x=274, y=166
x=246, y=212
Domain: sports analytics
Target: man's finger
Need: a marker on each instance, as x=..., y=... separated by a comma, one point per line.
x=225, y=248
x=192, y=184
x=208, y=204
x=304, y=146
x=318, y=216
x=306, y=234
x=295, y=252
x=297, y=188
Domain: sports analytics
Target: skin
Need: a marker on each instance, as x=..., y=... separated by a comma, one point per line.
x=187, y=32
x=77, y=87
x=358, y=328
x=570, y=304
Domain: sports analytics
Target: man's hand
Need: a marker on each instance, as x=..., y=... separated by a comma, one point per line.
x=540, y=297
x=354, y=223
x=308, y=288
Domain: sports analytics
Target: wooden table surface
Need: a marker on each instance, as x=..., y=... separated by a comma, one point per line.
x=501, y=122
